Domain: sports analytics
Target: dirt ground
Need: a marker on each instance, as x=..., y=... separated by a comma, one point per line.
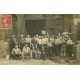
x=3, y=61
x=57, y=61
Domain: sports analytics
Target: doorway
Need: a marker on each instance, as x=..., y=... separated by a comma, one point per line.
x=34, y=27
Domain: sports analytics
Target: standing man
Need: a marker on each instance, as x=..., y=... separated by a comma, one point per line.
x=13, y=42
x=57, y=46
x=34, y=42
x=59, y=41
x=50, y=51
x=28, y=41
x=39, y=43
x=63, y=46
x=66, y=34
x=69, y=47
x=21, y=42
x=45, y=44
x=52, y=41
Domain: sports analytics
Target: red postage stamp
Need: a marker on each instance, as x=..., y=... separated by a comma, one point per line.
x=6, y=22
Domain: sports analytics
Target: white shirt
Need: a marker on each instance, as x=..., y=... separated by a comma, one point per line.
x=57, y=41
x=49, y=44
x=69, y=42
x=16, y=51
x=45, y=40
x=28, y=40
x=39, y=41
x=65, y=34
x=52, y=39
x=26, y=50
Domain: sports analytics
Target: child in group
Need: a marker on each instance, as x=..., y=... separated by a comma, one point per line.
x=33, y=53
x=38, y=54
x=43, y=54
x=26, y=52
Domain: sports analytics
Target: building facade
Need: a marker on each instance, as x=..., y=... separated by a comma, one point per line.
x=32, y=24
x=23, y=24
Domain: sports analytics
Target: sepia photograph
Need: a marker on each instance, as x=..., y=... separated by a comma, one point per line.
x=39, y=39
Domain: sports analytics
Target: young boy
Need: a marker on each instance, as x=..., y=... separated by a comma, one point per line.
x=38, y=54
x=26, y=52
x=33, y=53
x=43, y=54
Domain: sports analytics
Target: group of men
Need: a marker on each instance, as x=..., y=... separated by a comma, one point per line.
x=41, y=47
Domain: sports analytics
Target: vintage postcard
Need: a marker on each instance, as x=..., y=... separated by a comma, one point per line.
x=39, y=39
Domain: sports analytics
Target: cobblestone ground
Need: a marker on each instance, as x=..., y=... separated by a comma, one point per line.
x=31, y=62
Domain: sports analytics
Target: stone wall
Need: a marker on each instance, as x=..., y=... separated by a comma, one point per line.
x=3, y=45
x=2, y=31
x=4, y=49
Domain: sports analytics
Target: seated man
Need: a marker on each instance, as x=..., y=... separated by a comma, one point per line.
x=26, y=52
x=16, y=52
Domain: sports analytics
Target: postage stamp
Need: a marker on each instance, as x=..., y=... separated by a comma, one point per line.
x=6, y=22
